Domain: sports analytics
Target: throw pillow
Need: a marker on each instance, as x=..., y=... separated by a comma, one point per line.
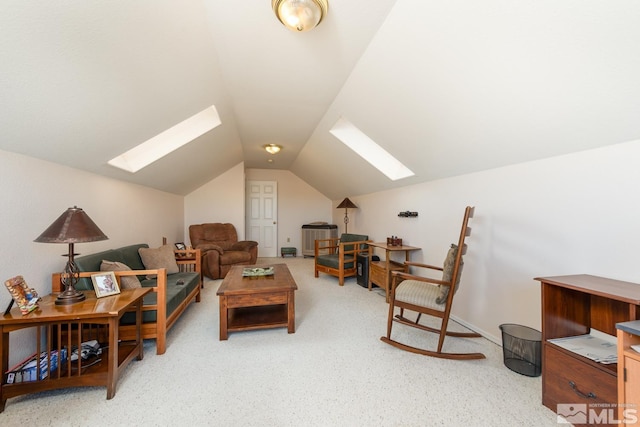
x=447, y=272
x=126, y=282
x=162, y=257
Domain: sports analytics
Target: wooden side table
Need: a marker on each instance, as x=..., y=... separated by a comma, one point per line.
x=61, y=327
x=380, y=271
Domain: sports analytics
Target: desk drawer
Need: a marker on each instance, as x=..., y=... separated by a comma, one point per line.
x=561, y=370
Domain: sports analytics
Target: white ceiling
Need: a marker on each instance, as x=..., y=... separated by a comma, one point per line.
x=448, y=87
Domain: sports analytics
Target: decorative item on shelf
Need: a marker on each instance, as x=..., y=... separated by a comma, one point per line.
x=27, y=298
x=346, y=204
x=394, y=241
x=408, y=214
x=257, y=271
x=300, y=15
x=73, y=226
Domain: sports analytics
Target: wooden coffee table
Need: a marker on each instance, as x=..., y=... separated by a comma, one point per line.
x=261, y=302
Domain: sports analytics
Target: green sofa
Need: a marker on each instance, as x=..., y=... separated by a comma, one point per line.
x=172, y=293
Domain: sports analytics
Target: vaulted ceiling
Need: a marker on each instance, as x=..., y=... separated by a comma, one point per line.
x=447, y=87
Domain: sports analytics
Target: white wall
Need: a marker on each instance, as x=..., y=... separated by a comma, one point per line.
x=35, y=193
x=298, y=204
x=571, y=214
x=219, y=200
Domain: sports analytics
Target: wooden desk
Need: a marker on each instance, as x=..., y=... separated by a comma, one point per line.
x=573, y=305
x=60, y=327
x=380, y=271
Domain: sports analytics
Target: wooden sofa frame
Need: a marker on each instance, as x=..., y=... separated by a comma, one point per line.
x=153, y=330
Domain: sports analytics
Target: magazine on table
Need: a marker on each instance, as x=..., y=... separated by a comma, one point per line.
x=599, y=348
x=257, y=271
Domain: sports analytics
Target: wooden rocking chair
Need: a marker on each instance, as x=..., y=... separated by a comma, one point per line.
x=431, y=297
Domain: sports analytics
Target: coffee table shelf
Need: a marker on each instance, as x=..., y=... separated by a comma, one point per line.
x=249, y=318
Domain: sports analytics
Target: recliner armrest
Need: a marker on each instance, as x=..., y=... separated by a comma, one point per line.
x=206, y=247
x=244, y=245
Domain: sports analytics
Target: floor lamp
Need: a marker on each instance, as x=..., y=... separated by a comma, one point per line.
x=346, y=204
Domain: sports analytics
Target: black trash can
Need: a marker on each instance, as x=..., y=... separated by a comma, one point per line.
x=522, y=349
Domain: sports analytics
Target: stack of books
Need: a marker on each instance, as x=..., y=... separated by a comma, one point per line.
x=28, y=369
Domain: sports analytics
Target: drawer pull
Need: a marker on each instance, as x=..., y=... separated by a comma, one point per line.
x=590, y=395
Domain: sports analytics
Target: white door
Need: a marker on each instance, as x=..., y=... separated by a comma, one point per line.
x=262, y=216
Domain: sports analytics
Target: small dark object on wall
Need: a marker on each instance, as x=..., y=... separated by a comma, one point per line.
x=407, y=214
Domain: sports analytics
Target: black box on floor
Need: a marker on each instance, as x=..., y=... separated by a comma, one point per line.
x=362, y=269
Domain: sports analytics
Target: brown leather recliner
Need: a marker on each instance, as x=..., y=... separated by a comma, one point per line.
x=220, y=248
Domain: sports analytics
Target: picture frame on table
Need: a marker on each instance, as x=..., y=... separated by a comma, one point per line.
x=181, y=246
x=105, y=284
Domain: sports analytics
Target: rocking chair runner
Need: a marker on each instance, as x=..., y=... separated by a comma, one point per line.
x=431, y=297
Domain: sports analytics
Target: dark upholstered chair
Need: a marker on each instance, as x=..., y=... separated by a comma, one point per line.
x=221, y=249
x=337, y=256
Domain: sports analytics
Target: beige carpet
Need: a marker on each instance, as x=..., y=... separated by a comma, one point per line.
x=334, y=371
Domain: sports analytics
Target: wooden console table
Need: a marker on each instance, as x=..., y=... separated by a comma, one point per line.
x=62, y=327
x=380, y=271
x=572, y=306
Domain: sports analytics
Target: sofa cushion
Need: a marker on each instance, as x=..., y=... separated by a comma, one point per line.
x=176, y=294
x=131, y=256
x=347, y=237
x=333, y=261
x=126, y=282
x=162, y=257
x=92, y=263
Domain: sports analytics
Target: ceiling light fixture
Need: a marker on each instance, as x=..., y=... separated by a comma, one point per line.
x=272, y=148
x=300, y=15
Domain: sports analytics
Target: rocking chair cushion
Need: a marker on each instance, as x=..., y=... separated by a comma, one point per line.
x=447, y=272
x=419, y=293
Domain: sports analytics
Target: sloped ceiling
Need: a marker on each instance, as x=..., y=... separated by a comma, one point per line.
x=448, y=87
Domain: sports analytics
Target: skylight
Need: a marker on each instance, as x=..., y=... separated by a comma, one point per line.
x=369, y=150
x=166, y=142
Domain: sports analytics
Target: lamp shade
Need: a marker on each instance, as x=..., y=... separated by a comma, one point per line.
x=346, y=204
x=300, y=15
x=73, y=226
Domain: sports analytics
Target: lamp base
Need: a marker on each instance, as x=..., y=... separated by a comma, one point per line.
x=70, y=296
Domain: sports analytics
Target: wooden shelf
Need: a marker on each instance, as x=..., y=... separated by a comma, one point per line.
x=57, y=329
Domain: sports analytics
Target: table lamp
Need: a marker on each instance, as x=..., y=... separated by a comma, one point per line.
x=73, y=226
